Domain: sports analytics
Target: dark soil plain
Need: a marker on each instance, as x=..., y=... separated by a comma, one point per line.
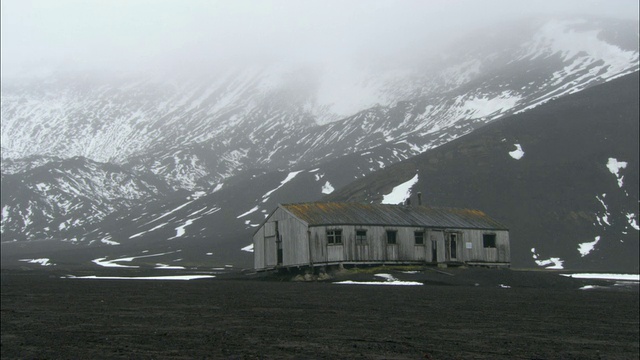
x=457, y=314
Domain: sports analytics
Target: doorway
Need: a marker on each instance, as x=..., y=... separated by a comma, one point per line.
x=452, y=246
x=434, y=251
x=278, y=245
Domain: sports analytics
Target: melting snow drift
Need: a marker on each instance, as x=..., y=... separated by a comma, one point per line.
x=625, y=277
x=168, y=277
x=389, y=280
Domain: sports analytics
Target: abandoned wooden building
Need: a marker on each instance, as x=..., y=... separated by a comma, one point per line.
x=318, y=234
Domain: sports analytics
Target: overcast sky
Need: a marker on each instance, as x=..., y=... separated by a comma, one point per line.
x=135, y=35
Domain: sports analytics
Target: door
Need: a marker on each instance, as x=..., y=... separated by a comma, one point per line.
x=278, y=245
x=452, y=246
x=434, y=251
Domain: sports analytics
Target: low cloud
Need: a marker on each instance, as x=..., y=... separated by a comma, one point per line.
x=39, y=36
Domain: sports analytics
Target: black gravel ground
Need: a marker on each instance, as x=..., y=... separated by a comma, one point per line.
x=460, y=314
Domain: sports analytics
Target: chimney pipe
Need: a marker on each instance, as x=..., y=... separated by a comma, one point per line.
x=419, y=199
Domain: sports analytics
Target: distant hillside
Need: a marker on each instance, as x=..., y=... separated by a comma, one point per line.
x=571, y=199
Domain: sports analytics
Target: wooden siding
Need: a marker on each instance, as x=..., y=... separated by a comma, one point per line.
x=478, y=253
x=294, y=237
x=258, y=249
x=436, y=237
x=303, y=245
x=376, y=247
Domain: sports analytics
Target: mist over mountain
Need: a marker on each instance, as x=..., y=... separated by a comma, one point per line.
x=188, y=163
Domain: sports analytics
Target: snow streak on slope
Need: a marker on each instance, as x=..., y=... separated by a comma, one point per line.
x=67, y=195
x=289, y=177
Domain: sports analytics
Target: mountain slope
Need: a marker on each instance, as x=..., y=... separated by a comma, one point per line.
x=245, y=138
x=48, y=201
x=563, y=177
x=197, y=132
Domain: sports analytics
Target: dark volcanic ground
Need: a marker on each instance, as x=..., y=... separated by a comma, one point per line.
x=542, y=316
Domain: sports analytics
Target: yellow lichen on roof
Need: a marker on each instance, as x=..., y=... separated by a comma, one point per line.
x=359, y=213
x=473, y=212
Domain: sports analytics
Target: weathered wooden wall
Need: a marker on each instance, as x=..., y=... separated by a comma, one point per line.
x=303, y=245
x=376, y=247
x=295, y=244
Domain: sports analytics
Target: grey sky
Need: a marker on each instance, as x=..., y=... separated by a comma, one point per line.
x=137, y=35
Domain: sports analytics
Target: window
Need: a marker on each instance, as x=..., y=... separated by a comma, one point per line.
x=391, y=236
x=489, y=240
x=361, y=236
x=419, y=237
x=334, y=236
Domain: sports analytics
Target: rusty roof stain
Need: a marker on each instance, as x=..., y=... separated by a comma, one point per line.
x=351, y=213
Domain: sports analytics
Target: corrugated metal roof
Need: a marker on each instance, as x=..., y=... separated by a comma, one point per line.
x=335, y=213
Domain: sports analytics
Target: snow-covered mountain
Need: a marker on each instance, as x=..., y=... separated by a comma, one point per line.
x=46, y=201
x=157, y=140
x=563, y=176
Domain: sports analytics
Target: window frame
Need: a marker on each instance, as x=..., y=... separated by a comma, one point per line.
x=334, y=236
x=360, y=238
x=491, y=239
x=395, y=237
x=421, y=235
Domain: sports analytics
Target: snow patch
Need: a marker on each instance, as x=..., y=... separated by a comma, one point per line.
x=169, y=212
x=248, y=248
x=114, y=263
x=180, y=229
x=400, y=193
x=479, y=107
x=604, y=219
x=289, y=177
x=147, y=231
x=389, y=280
x=632, y=221
x=168, y=277
x=557, y=262
x=517, y=153
x=41, y=261
x=327, y=188
x=169, y=267
x=614, y=167
x=254, y=209
x=587, y=247
x=587, y=287
x=198, y=194
x=604, y=276
x=109, y=242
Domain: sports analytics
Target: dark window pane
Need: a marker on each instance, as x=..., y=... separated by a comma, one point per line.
x=489, y=240
x=419, y=237
x=334, y=236
x=391, y=237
